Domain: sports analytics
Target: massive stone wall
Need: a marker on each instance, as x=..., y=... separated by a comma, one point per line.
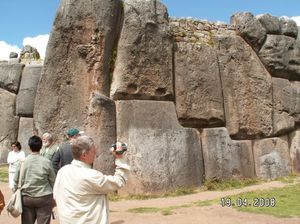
x=194, y=100
x=18, y=82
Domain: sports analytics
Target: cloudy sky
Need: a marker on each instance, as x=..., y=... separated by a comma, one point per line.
x=30, y=21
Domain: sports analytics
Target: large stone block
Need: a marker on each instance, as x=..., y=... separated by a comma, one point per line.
x=162, y=154
x=102, y=128
x=249, y=28
x=247, y=89
x=10, y=76
x=143, y=68
x=283, y=103
x=199, y=99
x=295, y=150
x=225, y=158
x=288, y=27
x=280, y=54
x=294, y=60
x=8, y=123
x=271, y=23
x=296, y=109
x=271, y=157
x=76, y=66
x=25, y=132
x=25, y=99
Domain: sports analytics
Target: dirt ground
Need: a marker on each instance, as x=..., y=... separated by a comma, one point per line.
x=190, y=215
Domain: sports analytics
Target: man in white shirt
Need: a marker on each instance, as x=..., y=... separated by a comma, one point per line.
x=80, y=191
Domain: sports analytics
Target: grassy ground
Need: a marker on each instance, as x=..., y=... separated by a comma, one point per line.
x=4, y=173
x=282, y=202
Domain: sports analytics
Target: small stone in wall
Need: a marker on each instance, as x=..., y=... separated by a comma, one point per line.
x=13, y=55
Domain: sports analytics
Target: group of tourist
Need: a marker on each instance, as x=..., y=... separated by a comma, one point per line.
x=62, y=176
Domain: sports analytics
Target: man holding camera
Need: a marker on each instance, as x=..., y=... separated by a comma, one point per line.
x=80, y=191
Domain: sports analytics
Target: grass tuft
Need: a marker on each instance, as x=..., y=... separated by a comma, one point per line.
x=292, y=178
x=228, y=184
x=144, y=210
x=174, y=193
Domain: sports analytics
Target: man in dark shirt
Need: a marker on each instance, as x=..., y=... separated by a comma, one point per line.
x=63, y=155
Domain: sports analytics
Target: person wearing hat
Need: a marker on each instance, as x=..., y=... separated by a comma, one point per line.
x=63, y=155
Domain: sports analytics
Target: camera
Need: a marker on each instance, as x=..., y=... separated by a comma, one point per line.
x=119, y=148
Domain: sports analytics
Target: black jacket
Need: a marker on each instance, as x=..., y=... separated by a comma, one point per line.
x=62, y=157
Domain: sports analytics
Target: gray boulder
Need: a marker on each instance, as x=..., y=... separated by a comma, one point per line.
x=8, y=123
x=10, y=76
x=272, y=158
x=25, y=132
x=101, y=126
x=279, y=55
x=283, y=103
x=270, y=23
x=25, y=99
x=162, y=154
x=296, y=106
x=76, y=66
x=199, y=99
x=294, y=61
x=249, y=28
x=29, y=53
x=247, y=89
x=13, y=55
x=225, y=158
x=288, y=27
x=143, y=68
x=295, y=150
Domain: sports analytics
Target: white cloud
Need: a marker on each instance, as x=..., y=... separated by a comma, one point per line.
x=296, y=19
x=6, y=49
x=39, y=42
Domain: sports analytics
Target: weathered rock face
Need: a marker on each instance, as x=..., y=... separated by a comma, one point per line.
x=162, y=154
x=295, y=150
x=278, y=55
x=272, y=157
x=296, y=106
x=283, y=103
x=199, y=99
x=25, y=132
x=8, y=122
x=29, y=53
x=288, y=27
x=76, y=66
x=10, y=76
x=102, y=128
x=25, y=99
x=225, y=158
x=209, y=72
x=247, y=89
x=250, y=29
x=271, y=23
x=144, y=55
x=274, y=39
